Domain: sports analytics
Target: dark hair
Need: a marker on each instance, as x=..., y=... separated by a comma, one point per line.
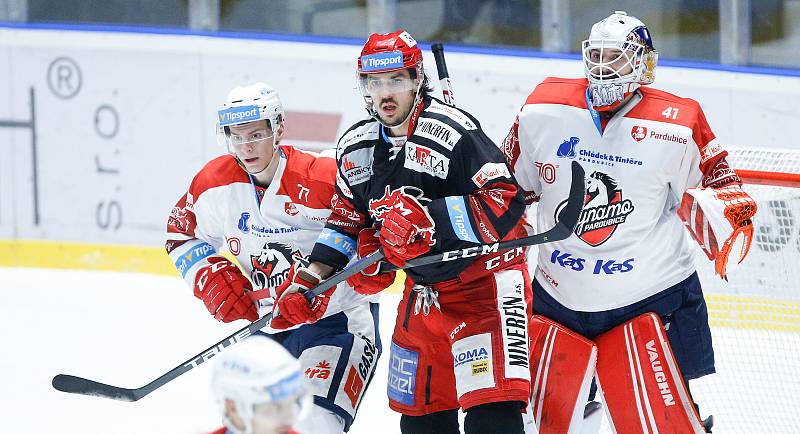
x=427, y=88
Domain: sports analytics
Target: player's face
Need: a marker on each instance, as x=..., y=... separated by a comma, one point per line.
x=253, y=144
x=392, y=95
x=609, y=63
x=275, y=417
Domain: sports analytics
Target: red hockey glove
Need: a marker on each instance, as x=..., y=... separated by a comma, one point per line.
x=370, y=280
x=719, y=219
x=407, y=228
x=294, y=308
x=224, y=290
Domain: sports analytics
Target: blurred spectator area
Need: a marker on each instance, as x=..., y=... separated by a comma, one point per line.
x=682, y=29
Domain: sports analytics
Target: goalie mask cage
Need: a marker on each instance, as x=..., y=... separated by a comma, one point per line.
x=755, y=316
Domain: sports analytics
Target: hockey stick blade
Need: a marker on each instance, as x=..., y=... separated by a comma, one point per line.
x=84, y=386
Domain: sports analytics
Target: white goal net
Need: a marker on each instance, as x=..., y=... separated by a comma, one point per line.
x=755, y=316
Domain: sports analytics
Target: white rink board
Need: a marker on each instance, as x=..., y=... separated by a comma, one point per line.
x=124, y=120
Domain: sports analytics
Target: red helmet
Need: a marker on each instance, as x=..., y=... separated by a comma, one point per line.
x=385, y=52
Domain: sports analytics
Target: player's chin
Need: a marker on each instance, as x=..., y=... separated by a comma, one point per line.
x=391, y=120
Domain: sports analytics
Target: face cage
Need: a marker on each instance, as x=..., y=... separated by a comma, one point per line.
x=368, y=99
x=631, y=54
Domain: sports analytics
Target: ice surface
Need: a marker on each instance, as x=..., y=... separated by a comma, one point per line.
x=126, y=329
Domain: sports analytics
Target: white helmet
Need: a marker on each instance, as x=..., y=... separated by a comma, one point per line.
x=263, y=380
x=258, y=101
x=618, y=57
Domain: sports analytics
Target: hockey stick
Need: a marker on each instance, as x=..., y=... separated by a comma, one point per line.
x=83, y=386
x=444, y=76
x=562, y=229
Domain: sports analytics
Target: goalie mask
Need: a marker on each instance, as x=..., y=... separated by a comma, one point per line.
x=264, y=383
x=248, y=105
x=618, y=57
x=389, y=52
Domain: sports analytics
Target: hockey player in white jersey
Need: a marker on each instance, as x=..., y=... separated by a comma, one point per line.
x=651, y=161
x=266, y=203
x=259, y=388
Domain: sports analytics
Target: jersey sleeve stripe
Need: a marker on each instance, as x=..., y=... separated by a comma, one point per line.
x=338, y=241
x=195, y=254
x=457, y=210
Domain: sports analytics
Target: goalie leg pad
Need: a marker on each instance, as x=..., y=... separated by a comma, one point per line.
x=562, y=367
x=640, y=381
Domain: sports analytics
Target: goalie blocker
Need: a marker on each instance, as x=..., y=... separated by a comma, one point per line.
x=636, y=373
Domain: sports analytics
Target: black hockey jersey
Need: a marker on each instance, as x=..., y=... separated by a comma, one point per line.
x=473, y=197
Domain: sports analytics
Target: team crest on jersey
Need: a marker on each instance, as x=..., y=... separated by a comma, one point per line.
x=638, y=133
x=379, y=207
x=182, y=220
x=290, y=209
x=271, y=265
x=391, y=199
x=604, y=209
x=567, y=148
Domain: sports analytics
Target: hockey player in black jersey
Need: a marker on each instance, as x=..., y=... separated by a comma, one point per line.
x=421, y=177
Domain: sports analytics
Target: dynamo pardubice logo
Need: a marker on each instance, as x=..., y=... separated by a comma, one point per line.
x=271, y=265
x=603, y=209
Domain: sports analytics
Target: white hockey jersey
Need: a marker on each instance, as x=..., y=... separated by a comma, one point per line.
x=266, y=229
x=629, y=242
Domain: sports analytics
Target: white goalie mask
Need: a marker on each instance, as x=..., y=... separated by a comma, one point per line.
x=264, y=382
x=244, y=104
x=618, y=57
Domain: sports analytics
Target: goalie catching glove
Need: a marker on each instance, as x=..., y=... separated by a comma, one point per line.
x=293, y=306
x=406, y=227
x=224, y=290
x=370, y=280
x=713, y=214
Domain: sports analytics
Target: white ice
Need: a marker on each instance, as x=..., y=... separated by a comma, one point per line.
x=126, y=329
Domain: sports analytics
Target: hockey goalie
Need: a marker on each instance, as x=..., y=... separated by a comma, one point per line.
x=621, y=301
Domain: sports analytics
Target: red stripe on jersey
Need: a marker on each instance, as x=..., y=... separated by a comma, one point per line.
x=308, y=179
x=665, y=107
x=556, y=90
x=656, y=102
x=218, y=172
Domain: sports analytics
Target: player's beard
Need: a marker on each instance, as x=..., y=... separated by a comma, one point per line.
x=401, y=113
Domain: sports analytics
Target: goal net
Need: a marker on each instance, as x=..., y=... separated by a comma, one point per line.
x=755, y=316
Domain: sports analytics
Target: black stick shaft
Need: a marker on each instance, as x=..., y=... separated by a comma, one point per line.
x=444, y=75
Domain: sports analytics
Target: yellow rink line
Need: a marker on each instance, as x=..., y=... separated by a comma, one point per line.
x=100, y=257
x=755, y=313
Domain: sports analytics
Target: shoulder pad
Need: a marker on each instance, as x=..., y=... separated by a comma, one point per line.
x=362, y=131
x=458, y=117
